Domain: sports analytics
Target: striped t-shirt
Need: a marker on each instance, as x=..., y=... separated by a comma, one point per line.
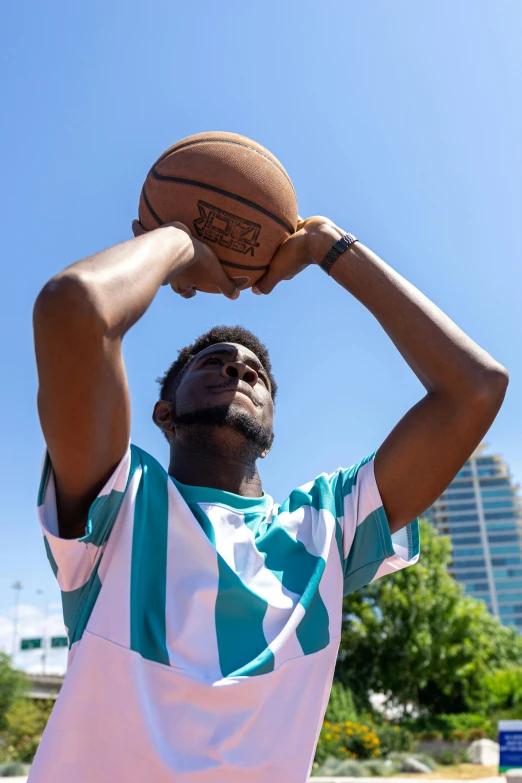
x=204, y=626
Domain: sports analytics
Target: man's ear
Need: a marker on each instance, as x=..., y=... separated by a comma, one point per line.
x=162, y=418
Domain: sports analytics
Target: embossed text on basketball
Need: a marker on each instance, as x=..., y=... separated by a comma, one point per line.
x=227, y=230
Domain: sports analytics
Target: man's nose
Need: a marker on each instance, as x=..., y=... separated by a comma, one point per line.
x=240, y=371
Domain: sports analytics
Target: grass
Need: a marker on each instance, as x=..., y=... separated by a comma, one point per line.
x=456, y=772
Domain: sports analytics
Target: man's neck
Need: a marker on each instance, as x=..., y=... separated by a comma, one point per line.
x=216, y=465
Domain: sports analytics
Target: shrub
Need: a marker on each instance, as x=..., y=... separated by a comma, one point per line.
x=464, y=757
x=476, y=734
x=347, y=740
x=457, y=735
x=341, y=705
x=13, y=769
x=349, y=768
x=393, y=738
x=431, y=736
x=446, y=724
x=447, y=757
x=377, y=768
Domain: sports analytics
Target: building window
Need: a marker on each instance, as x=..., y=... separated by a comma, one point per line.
x=506, y=561
x=449, y=496
x=494, y=526
x=501, y=514
x=494, y=482
x=510, y=609
x=505, y=573
x=460, y=553
x=505, y=550
x=508, y=586
x=481, y=587
x=507, y=503
x=502, y=538
x=463, y=576
x=463, y=529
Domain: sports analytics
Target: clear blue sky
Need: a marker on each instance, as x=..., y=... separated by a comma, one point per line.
x=399, y=120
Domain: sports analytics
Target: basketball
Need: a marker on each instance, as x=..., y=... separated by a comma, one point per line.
x=231, y=193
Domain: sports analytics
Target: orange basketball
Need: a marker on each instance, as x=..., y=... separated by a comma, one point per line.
x=231, y=193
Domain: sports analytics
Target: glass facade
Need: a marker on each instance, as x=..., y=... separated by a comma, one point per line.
x=481, y=512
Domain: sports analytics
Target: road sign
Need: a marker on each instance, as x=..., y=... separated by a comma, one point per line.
x=510, y=741
x=59, y=641
x=30, y=644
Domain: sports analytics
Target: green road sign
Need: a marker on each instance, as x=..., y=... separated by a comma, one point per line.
x=59, y=641
x=30, y=644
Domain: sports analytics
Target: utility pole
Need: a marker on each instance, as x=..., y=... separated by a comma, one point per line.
x=17, y=586
x=44, y=635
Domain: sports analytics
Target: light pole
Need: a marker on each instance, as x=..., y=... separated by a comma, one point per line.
x=17, y=586
x=44, y=640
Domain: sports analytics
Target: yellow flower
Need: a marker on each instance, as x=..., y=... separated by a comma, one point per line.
x=328, y=736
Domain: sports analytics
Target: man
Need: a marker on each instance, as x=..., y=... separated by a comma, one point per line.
x=203, y=618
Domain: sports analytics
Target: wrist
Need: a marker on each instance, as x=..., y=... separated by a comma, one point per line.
x=178, y=246
x=321, y=235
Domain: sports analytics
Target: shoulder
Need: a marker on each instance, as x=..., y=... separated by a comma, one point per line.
x=328, y=491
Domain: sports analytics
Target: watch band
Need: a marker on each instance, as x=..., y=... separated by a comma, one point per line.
x=339, y=248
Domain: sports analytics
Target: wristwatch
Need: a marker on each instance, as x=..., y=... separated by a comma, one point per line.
x=339, y=248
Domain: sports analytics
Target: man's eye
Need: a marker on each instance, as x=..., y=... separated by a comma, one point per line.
x=211, y=360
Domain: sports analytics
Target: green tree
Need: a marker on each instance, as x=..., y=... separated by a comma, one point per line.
x=341, y=706
x=415, y=637
x=505, y=688
x=12, y=685
x=26, y=721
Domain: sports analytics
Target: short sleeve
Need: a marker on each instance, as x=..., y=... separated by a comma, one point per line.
x=369, y=550
x=75, y=562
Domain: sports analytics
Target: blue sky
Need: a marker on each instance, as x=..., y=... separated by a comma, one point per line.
x=400, y=121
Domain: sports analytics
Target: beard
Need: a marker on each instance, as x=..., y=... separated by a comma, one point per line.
x=200, y=424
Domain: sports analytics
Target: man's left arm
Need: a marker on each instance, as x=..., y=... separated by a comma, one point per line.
x=464, y=385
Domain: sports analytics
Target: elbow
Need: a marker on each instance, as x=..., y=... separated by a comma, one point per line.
x=66, y=301
x=491, y=389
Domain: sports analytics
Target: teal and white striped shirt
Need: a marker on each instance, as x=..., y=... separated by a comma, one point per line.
x=204, y=626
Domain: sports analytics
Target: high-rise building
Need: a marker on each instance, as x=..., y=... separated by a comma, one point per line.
x=481, y=512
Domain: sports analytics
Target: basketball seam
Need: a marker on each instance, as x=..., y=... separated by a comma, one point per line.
x=205, y=186
x=181, y=146
x=242, y=266
x=149, y=207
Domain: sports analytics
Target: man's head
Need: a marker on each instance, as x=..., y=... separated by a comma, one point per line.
x=220, y=384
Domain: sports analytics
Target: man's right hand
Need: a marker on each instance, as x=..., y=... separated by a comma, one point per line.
x=203, y=269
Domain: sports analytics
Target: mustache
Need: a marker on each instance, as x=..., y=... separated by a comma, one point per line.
x=242, y=386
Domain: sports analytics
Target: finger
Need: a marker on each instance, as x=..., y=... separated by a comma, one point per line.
x=226, y=285
x=137, y=228
x=286, y=263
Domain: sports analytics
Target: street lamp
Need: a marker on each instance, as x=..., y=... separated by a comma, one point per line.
x=17, y=586
x=44, y=640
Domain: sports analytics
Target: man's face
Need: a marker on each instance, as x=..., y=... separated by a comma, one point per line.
x=226, y=385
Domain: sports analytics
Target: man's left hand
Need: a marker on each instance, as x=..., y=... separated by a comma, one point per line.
x=312, y=240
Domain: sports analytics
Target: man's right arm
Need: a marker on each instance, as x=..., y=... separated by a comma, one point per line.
x=80, y=318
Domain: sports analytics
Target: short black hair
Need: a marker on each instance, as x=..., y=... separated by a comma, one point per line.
x=218, y=334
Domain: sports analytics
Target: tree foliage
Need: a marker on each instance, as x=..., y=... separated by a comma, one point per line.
x=12, y=685
x=417, y=638
x=505, y=688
